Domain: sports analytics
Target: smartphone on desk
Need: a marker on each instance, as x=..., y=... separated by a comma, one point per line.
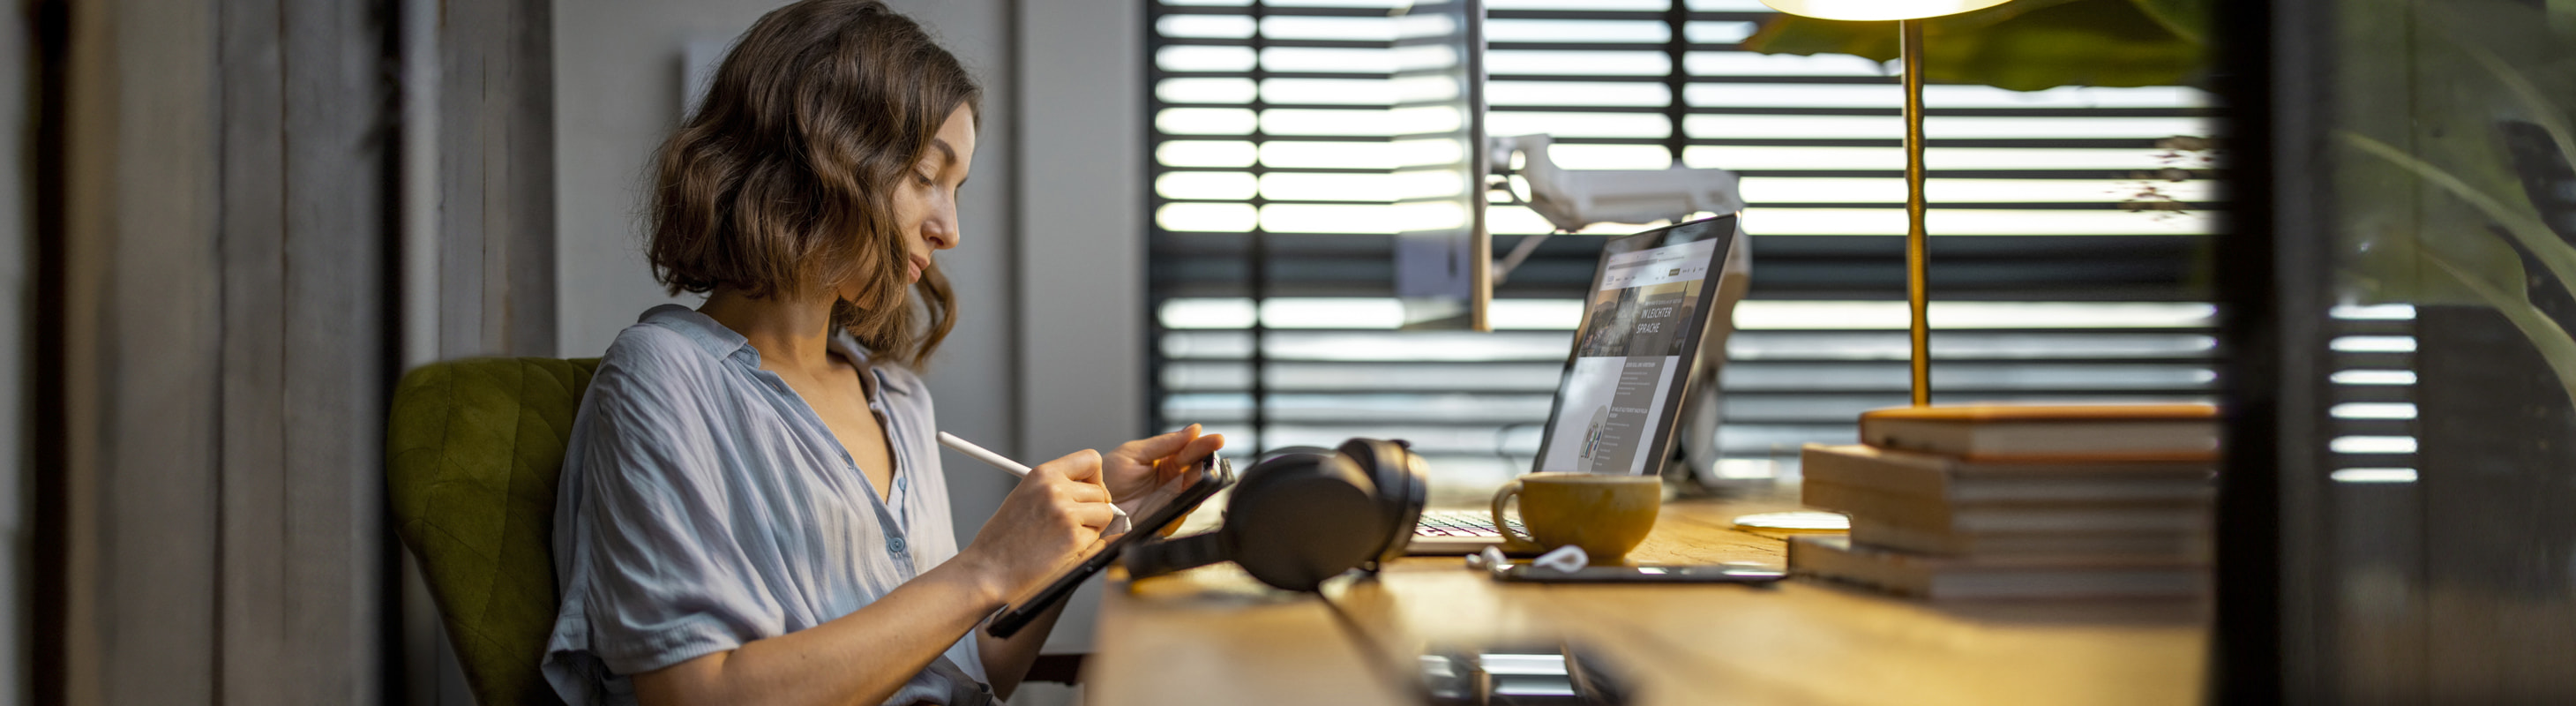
x=1711, y=573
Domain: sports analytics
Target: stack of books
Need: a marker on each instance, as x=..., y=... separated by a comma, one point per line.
x=2018, y=502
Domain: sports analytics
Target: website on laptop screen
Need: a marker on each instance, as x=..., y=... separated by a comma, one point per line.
x=1628, y=358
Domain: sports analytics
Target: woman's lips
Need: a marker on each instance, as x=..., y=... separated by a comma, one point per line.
x=919, y=265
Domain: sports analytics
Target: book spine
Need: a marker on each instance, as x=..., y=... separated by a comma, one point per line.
x=1816, y=559
x=1831, y=465
x=1920, y=437
x=1934, y=514
x=2046, y=442
x=2177, y=546
x=1939, y=477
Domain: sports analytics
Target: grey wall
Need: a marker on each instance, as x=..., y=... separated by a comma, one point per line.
x=1082, y=254
x=1045, y=359
x=617, y=73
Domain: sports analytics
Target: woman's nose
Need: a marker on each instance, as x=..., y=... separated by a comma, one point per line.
x=940, y=229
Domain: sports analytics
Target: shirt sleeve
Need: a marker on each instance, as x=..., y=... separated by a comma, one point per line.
x=667, y=577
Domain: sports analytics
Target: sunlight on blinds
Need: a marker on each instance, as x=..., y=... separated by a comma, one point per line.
x=2067, y=226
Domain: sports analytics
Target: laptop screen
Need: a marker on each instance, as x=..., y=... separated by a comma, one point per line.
x=1624, y=384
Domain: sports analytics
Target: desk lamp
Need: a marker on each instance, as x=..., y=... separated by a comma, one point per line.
x=1908, y=15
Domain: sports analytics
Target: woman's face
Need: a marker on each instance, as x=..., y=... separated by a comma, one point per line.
x=926, y=204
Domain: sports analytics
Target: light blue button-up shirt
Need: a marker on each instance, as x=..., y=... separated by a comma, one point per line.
x=703, y=505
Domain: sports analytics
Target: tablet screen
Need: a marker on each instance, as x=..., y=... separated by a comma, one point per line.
x=1634, y=350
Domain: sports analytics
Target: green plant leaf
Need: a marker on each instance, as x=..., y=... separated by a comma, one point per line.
x=2188, y=19
x=2543, y=112
x=2508, y=297
x=2524, y=225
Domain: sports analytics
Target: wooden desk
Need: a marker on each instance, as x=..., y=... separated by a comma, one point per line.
x=1214, y=635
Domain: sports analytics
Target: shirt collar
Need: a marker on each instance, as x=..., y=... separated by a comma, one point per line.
x=718, y=341
x=723, y=343
x=841, y=341
x=877, y=378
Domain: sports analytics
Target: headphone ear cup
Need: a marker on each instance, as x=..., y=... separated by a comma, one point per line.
x=1396, y=474
x=1307, y=520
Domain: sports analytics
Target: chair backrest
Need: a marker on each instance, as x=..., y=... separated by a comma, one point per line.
x=471, y=454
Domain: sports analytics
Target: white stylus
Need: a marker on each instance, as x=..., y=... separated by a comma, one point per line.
x=1117, y=524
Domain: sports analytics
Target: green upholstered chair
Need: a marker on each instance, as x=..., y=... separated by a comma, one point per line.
x=471, y=453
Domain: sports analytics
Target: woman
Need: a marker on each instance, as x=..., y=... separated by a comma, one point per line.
x=751, y=508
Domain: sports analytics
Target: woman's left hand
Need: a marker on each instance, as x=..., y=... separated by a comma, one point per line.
x=1137, y=468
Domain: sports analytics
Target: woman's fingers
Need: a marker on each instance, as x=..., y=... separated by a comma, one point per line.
x=1093, y=516
x=1201, y=448
x=1081, y=465
x=1160, y=445
x=1189, y=456
x=1057, y=514
x=1081, y=492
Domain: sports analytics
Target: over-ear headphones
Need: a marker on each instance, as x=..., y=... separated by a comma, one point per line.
x=1306, y=514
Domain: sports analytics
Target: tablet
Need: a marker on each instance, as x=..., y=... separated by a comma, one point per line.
x=1215, y=475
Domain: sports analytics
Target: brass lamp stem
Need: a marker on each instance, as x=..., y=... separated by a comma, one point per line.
x=1917, y=241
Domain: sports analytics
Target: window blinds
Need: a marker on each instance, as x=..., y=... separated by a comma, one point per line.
x=2067, y=226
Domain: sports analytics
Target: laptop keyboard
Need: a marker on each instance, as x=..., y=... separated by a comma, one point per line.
x=1460, y=523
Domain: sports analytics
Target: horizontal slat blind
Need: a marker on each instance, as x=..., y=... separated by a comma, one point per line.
x=1272, y=126
x=2372, y=382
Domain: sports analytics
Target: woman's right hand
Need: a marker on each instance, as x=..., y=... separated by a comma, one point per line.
x=1052, y=519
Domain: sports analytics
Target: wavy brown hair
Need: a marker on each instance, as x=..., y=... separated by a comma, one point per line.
x=783, y=181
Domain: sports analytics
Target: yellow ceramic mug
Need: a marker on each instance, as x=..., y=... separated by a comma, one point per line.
x=1605, y=514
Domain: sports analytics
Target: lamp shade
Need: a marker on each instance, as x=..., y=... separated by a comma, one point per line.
x=1878, y=10
x=2027, y=46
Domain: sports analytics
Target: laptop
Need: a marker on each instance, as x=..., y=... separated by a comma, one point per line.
x=1655, y=300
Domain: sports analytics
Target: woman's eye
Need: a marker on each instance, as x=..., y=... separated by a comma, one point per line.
x=923, y=178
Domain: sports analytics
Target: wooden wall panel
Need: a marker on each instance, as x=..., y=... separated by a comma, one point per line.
x=254, y=362
x=227, y=352
x=228, y=329
x=337, y=343
x=141, y=364
x=496, y=179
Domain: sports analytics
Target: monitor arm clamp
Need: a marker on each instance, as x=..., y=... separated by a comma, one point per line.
x=1572, y=200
